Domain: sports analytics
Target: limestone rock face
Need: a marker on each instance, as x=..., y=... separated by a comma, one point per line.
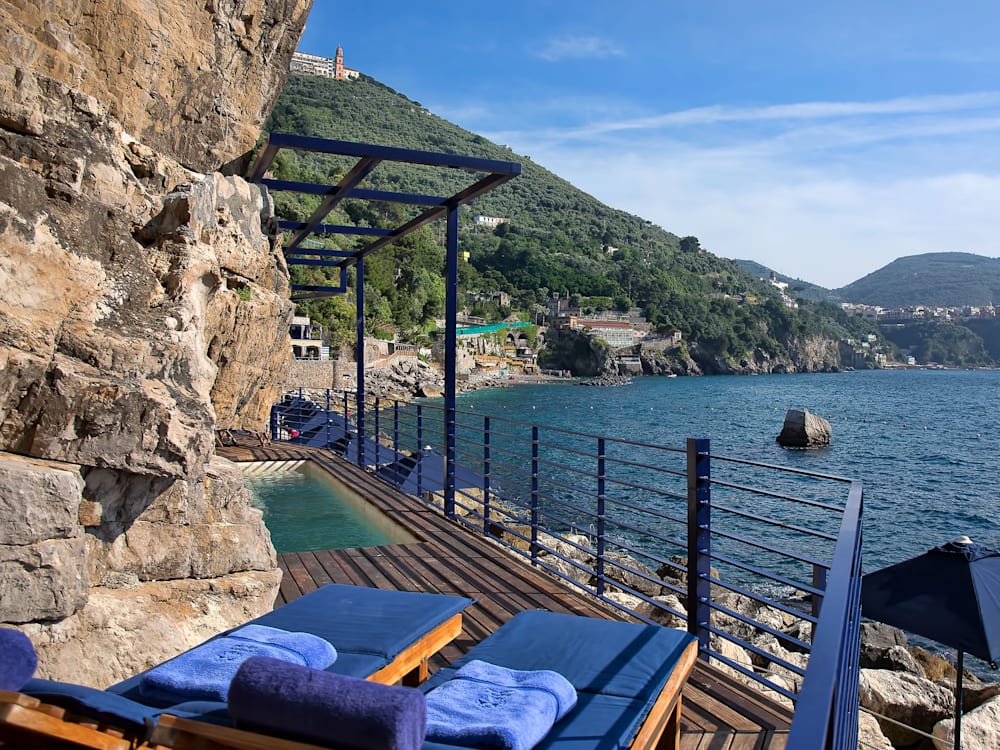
x=136, y=627
x=194, y=80
x=142, y=305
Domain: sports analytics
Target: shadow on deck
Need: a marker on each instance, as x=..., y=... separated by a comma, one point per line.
x=719, y=712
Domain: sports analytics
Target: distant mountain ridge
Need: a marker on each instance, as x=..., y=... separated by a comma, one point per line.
x=935, y=279
x=930, y=279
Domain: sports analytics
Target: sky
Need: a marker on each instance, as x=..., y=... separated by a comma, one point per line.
x=823, y=140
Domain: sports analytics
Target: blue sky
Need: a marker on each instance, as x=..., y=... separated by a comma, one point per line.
x=823, y=140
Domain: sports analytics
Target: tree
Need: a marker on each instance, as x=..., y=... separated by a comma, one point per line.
x=690, y=244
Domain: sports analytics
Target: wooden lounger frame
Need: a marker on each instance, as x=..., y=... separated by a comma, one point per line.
x=411, y=666
x=27, y=722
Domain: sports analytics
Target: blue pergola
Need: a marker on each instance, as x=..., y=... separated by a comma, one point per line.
x=486, y=174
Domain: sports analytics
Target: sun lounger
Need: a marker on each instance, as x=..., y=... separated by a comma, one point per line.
x=379, y=635
x=628, y=678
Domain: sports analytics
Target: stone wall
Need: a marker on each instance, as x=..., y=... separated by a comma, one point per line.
x=314, y=374
x=143, y=304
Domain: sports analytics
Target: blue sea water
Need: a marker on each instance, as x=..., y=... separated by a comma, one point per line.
x=924, y=442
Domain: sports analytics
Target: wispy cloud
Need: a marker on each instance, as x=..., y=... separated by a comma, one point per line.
x=796, y=112
x=825, y=191
x=572, y=47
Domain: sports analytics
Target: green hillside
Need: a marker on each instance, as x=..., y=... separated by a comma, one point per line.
x=557, y=239
x=797, y=288
x=935, y=279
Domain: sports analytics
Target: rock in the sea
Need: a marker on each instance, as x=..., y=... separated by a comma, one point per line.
x=803, y=429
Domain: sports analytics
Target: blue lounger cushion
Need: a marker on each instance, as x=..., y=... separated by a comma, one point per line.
x=314, y=706
x=369, y=627
x=617, y=668
x=204, y=672
x=18, y=659
x=485, y=705
x=116, y=710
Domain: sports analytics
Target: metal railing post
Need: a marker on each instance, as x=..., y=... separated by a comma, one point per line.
x=699, y=533
x=486, y=476
x=329, y=420
x=601, y=498
x=359, y=296
x=819, y=583
x=420, y=450
x=274, y=423
x=395, y=428
x=534, y=494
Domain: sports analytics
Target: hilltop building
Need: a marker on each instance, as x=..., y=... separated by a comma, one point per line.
x=314, y=65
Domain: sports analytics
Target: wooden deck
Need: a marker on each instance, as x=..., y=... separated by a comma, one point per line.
x=719, y=713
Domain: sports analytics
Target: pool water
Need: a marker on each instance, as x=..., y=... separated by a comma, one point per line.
x=307, y=509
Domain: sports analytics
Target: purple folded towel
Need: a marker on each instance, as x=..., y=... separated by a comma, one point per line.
x=18, y=659
x=314, y=706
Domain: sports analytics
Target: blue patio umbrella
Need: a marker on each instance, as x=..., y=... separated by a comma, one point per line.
x=950, y=594
x=424, y=471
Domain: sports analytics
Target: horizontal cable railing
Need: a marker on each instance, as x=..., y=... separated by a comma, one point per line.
x=760, y=562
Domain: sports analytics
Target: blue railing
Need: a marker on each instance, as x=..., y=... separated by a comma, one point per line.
x=761, y=563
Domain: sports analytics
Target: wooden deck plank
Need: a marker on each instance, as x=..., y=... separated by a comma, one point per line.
x=719, y=712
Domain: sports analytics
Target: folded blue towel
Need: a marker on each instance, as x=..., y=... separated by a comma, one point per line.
x=204, y=672
x=17, y=659
x=326, y=708
x=488, y=705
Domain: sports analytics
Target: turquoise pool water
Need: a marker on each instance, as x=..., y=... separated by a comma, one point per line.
x=306, y=509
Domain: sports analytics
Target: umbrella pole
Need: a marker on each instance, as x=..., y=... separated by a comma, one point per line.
x=958, y=702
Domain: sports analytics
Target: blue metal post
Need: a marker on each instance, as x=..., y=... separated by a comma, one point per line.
x=534, y=494
x=359, y=295
x=601, y=497
x=420, y=448
x=486, y=476
x=450, y=362
x=274, y=423
x=377, y=433
x=395, y=429
x=699, y=561
x=329, y=419
x=818, y=582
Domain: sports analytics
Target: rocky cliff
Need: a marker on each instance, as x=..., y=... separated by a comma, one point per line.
x=142, y=304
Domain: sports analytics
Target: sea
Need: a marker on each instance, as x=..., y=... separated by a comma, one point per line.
x=924, y=442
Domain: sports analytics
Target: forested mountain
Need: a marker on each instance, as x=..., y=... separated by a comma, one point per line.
x=556, y=238
x=797, y=288
x=935, y=279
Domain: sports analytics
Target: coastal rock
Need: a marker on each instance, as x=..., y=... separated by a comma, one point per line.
x=142, y=304
x=980, y=729
x=906, y=699
x=662, y=615
x=870, y=734
x=631, y=573
x=803, y=429
x=135, y=627
x=876, y=639
x=194, y=80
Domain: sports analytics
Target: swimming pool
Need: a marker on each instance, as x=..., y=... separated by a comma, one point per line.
x=306, y=508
